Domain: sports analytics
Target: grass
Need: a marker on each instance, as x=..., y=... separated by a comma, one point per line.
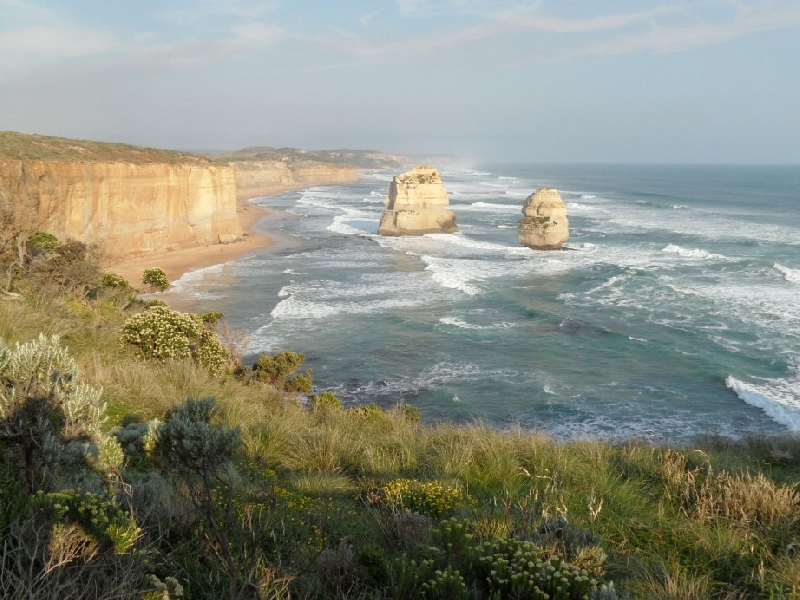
x=20, y=146
x=719, y=520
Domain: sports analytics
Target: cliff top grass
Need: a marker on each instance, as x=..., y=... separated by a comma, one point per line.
x=20, y=146
x=362, y=159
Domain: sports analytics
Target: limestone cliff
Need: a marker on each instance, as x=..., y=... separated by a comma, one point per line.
x=123, y=207
x=417, y=204
x=254, y=177
x=544, y=224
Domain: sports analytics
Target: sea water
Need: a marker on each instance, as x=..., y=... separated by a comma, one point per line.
x=673, y=311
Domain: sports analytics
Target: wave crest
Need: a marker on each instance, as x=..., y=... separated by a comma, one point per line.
x=791, y=275
x=778, y=398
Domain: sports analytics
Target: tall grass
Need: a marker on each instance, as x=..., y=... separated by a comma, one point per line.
x=713, y=521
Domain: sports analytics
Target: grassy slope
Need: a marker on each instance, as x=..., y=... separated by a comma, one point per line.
x=661, y=529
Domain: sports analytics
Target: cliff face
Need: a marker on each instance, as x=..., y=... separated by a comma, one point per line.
x=254, y=176
x=417, y=204
x=544, y=224
x=122, y=207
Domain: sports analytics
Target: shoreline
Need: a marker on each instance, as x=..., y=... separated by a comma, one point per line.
x=178, y=262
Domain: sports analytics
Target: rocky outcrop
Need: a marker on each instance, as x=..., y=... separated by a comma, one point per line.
x=122, y=207
x=544, y=224
x=417, y=204
x=256, y=177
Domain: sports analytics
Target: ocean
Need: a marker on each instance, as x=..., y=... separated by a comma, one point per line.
x=673, y=312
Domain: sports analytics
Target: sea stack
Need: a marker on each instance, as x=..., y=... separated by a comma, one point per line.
x=417, y=204
x=544, y=224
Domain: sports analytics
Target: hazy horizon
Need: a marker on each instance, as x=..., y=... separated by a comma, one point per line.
x=706, y=82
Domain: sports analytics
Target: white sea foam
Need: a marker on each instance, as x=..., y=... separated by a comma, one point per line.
x=353, y=223
x=587, y=197
x=577, y=206
x=697, y=253
x=190, y=280
x=462, y=324
x=778, y=398
x=490, y=206
x=451, y=273
x=679, y=206
x=791, y=275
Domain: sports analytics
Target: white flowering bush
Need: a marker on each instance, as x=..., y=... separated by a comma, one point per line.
x=156, y=278
x=162, y=333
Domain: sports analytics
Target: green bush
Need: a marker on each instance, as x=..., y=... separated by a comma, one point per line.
x=156, y=278
x=431, y=498
x=162, y=333
x=301, y=383
x=275, y=371
x=43, y=243
x=112, y=280
x=326, y=401
x=365, y=412
x=108, y=524
x=191, y=443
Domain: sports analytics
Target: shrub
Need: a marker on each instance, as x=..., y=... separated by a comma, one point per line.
x=162, y=333
x=156, y=278
x=325, y=401
x=112, y=280
x=432, y=498
x=43, y=243
x=190, y=443
x=447, y=585
x=99, y=517
x=48, y=415
x=301, y=383
x=71, y=269
x=365, y=412
x=275, y=371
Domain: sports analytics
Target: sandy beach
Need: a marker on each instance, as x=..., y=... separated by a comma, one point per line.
x=177, y=262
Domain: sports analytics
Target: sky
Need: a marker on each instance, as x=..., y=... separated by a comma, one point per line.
x=569, y=81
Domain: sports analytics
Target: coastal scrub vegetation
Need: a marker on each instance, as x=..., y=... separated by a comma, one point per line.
x=131, y=467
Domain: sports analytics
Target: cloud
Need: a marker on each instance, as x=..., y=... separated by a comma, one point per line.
x=36, y=45
x=410, y=7
x=366, y=20
x=548, y=38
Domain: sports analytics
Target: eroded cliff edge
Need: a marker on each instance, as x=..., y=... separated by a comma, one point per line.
x=129, y=200
x=123, y=208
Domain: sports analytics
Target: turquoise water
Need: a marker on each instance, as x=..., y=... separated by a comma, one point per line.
x=675, y=311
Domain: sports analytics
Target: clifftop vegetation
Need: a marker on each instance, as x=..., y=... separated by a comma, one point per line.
x=20, y=146
x=140, y=459
x=362, y=159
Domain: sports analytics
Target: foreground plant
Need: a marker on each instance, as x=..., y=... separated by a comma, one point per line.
x=162, y=333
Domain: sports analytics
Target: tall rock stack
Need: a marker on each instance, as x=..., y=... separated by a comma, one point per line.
x=417, y=204
x=544, y=224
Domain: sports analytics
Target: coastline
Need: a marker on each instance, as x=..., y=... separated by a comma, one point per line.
x=180, y=261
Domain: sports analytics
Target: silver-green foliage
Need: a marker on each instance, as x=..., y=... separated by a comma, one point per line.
x=47, y=411
x=162, y=333
x=190, y=442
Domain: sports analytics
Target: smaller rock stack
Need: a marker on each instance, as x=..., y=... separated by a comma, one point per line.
x=544, y=224
x=417, y=204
